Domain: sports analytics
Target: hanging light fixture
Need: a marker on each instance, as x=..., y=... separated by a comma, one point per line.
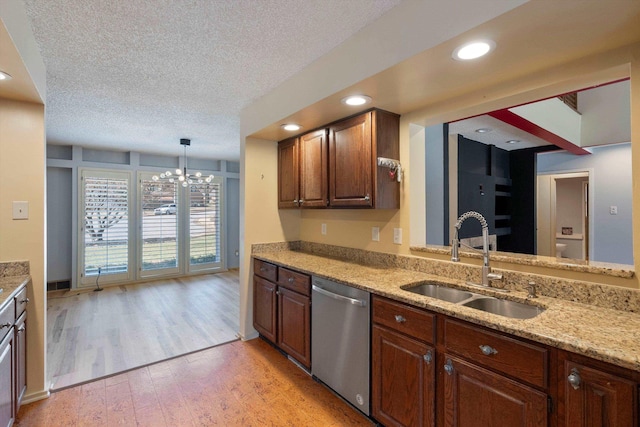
x=181, y=175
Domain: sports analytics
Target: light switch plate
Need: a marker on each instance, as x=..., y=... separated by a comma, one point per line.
x=20, y=210
x=397, y=236
x=323, y=229
x=375, y=234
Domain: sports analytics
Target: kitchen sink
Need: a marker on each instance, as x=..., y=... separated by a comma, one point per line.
x=512, y=309
x=434, y=290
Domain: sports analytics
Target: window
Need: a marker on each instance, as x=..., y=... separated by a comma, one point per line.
x=205, y=246
x=104, y=246
x=159, y=226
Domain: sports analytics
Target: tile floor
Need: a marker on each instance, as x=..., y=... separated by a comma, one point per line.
x=236, y=384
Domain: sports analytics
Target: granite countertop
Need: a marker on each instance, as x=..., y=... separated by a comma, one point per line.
x=612, y=336
x=10, y=286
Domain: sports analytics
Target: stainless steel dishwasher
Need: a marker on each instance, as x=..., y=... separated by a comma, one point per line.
x=340, y=340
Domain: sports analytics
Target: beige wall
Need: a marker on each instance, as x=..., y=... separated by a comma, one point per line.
x=260, y=219
x=22, y=177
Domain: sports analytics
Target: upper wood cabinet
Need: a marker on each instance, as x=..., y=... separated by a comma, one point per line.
x=337, y=166
x=355, y=180
x=302, y=171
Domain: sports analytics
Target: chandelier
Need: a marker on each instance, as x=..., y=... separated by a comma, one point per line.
x=181, y=175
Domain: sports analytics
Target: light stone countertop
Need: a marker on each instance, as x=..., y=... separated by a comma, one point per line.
x=608, y=335
x=10, y=286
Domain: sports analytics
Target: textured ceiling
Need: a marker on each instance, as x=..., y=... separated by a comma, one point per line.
x=139, y=75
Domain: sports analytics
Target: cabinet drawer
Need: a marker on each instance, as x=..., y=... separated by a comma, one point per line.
x=402, y=318
x=21, y=302
x=266, y=270
x=295, y=281
x=7, y=318
x=518, y=359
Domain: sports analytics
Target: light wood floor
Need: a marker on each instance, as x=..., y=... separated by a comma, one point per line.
x=236, y=384
x=95, y=334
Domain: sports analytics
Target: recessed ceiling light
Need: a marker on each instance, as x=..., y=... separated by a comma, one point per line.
x=484, y=130
x=5, y=76
x=513, y=141
x=473, y=50
x=356, y=100
x=291, y=127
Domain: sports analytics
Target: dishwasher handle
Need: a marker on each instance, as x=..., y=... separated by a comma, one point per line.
x=354, y=301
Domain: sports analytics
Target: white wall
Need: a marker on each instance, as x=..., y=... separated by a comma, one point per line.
x=606, y=114
x=435, y=185
x=611, y=235
x=59, y=234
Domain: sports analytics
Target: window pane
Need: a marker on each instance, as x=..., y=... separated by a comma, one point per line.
x=106, y=225
x=159, y=225
x=204, y=223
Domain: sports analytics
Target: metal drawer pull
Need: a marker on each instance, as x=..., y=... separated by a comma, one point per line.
x=574, y=379
x=367, y=198
x=428, y=357
x=488, y=350
x=400, y=319
x=291, y=279
x=448, y=367
x=354, y=301
x=24, y=301
x=5, y=325
x=21, y=329
x=263, y=269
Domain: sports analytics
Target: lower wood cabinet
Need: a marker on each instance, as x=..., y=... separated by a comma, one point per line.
x=430, y=369
x=7, y=385
x=282, y=309
x=474, y=396
x=594, y=398
x=403, y=379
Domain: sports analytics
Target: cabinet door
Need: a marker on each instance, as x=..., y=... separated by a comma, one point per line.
x=403, y=379
x=595, y=398
x=264, y=307
x=474, y=396
x=294, y=325
x=288, y=174
x=21, y=358
x=350, y=159
x=7, y=404
x=313, y=169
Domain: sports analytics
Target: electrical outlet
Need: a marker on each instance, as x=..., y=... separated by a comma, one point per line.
x=323, y=229
x=375, y=234
x=613, y=210
x=397, y=236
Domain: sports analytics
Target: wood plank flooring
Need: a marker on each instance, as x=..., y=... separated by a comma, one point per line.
x=235, y=384
x=95, y=334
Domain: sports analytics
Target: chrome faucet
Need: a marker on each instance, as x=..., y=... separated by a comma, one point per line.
x=487, y=275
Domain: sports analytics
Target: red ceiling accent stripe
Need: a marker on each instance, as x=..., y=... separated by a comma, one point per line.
x=527, y=126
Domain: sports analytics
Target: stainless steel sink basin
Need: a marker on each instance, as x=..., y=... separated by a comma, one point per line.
x=440, y=292
x=512, y=309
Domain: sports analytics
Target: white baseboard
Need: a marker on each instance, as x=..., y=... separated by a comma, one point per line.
x=34, y=397
x=251, y=336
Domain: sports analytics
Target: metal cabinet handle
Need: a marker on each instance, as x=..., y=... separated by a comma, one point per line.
x=448, y=367
x=5, y=325
x=295, y=201
x=400, y=319
x=263, y=269
x=574, y=379
x=367, y=198
x=24, y=301
x=488, y=350
x=278, y=293
x=300, y=202
x=290, y=280
x=21, y=329
x=428, y=357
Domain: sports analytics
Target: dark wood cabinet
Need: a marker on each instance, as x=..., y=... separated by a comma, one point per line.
x=294, y=325
x=355, y=179
x=288, y=174
x=403, y=379
x=264, y=307
x=403, y=361
x=474, y=396
x=302, y=171
x=336, y=166
x=594, y=398
x=282, y=309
